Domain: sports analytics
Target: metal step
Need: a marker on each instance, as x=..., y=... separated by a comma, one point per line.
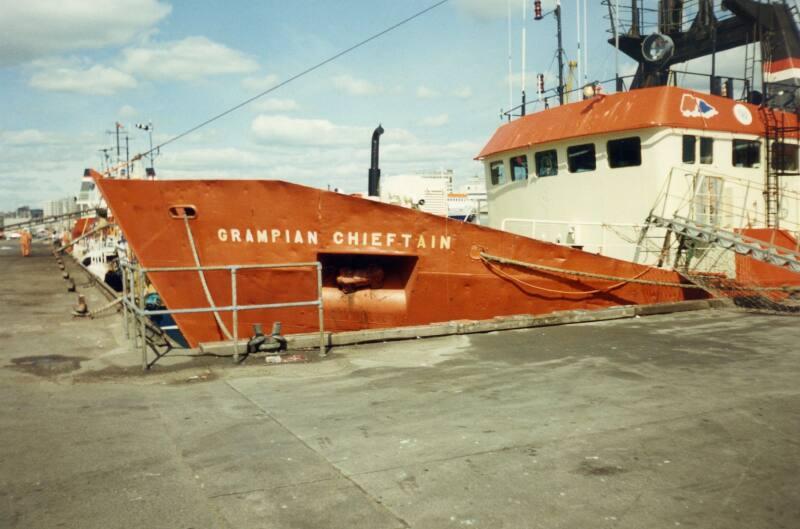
x=743, y=245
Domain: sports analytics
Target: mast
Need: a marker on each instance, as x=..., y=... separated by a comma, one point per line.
x=560, y=55
x=117, y=129
x=510, y=69
x=585, y=42
x=524, y=27
x=537, y=15
x=616, y=45
x=578, y=36
x=127, y=156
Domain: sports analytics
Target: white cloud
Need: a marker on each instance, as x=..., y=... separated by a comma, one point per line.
x=355, y=87
x=188, y=59
x=275, y=105
x=423, y=92
x=285, y=130
x=38, y=165
x=226, y=157
x=25, y=137
x=435, y=121
x=463, y=92
x=344, y=166
x=290, y=131
x=259, y=84
x=56, y=76
x=126, y=111
x=32, y=29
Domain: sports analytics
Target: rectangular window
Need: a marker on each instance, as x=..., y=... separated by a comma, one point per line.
x=626, y=152
x=707, y=150
x=746, y=153
x=581, y=158
x=497, y=172
x=519, y=168
x=784, y=157
x=546, y=163
x=689, y=150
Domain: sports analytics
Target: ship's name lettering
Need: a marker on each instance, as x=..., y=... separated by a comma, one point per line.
x=339, y=238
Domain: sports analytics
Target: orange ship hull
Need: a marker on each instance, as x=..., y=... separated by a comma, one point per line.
x=419, y=268
x=82, y=225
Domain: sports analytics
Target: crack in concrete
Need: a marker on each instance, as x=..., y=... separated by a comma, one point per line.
x=373, y=499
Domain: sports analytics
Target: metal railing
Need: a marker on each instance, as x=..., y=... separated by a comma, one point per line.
x=576, y=233
x=678, y=78
x=134, y=311
x=726, y=201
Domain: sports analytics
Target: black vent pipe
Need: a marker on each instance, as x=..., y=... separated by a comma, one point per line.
x=374, y=169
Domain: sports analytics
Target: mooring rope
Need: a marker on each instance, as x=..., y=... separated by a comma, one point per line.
x=202, y=276
x=490, y=259
x=107, y=306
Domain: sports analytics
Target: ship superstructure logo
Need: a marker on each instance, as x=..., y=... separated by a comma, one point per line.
x=696, y=107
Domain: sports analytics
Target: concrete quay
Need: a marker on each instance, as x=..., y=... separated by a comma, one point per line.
x=673, y=420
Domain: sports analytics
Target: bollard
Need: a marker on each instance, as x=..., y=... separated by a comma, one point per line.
x=81, y=309
x=65, y=274
x=70, y=285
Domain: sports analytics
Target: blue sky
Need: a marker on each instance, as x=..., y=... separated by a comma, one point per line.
x=69, y=69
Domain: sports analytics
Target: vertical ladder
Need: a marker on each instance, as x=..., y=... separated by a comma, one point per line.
x=778, y=163
x=772, y=136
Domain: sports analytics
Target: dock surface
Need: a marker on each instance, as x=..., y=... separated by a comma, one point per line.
x=682, y=420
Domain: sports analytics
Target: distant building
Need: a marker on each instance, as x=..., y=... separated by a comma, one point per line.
x=61, y=206
x=20, y=216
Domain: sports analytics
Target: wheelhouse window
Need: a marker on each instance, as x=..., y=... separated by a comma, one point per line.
x=746, y=153
x=706, y=150
x=519, y=168
x=689, y=149
x=581, y=158
x=784, y=157
x=626, y=152
x=546, y=163
x=497, y=172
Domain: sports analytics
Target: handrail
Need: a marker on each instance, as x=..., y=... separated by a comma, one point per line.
x=130, y=305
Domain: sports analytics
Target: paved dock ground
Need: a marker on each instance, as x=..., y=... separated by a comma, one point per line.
x=683, y=420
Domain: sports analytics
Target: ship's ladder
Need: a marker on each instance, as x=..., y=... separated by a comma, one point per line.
x=652, y=246
x=741, y=244
x=779, y=155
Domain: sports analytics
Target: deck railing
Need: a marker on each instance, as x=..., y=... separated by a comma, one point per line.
x=135, y=313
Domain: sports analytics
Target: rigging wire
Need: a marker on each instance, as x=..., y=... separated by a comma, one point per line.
x=290, y=79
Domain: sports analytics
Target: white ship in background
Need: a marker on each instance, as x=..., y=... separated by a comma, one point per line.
x=432, y=192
